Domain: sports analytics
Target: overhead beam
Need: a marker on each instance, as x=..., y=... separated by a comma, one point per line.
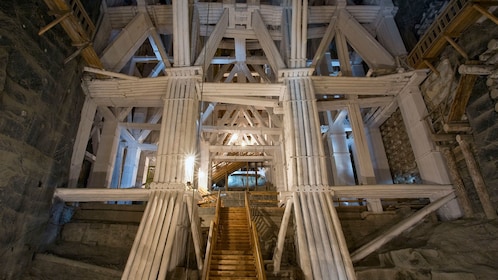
x=250, y=89
x=242, y=130
x=101, y=194
x=242, y=149
x=393, y=191
x=266, y=41
x=242, y=158
x=212, y=43
x=122, y=49
x=362, y=102
x=384, y=85
x=325, y=42
x=252, y=101
x=372, y=52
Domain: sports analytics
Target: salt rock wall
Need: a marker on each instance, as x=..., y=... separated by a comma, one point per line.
x=399, y=151
x=40, y=101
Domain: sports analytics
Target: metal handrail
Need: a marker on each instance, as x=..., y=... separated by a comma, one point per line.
x=212, y=237
x=255, y=241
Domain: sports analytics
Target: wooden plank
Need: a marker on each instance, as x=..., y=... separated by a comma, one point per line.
x=400, y=227
x=122, y=49
x=212, y=43
x=462, y=96
x=266, y=42
x=81, y=195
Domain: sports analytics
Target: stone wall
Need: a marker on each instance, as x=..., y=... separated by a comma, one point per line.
x=399, y=151
x=40, y=101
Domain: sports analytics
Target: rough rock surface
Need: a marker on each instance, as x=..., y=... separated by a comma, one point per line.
x=40, y=100
x=462, y=249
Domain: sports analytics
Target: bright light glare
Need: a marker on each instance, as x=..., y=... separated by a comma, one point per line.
x=189, y=168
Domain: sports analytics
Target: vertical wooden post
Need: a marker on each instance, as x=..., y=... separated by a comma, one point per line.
x=477, y=178
x=279, y=248
x=457, y=182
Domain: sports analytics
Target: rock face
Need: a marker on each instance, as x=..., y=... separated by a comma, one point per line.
x=399, y=151
x=40, y=101
x=463, y=249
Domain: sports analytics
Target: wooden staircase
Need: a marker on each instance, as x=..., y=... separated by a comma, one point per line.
x=233, y=255
x=233, y=250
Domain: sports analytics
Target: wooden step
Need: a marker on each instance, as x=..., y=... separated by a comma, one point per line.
x=233, y=257
x=238, y=267
x=245, y=273
x=232, y=261
x=230, y=278
x=232, y=252
x=234, y=247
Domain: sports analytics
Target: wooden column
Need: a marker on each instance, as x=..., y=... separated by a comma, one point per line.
x=181, y=33
x=430, y=162
x=366, y=174
x=342, y=168
x=305, y=154
x=116, y=174
x=387, y=31
x=279, y=248
x=106, y=155
x=379, y=158
x=178, y=137
x=457, y=181
x=130, y=167
x=204, y=179
x=477, y=179
x=79, y=148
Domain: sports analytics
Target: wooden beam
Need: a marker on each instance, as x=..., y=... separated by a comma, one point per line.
x=109, y=73
x=462, y=96
x=372, y=52
x=79, y=147
x=400, y=227
x=485, y=13
x=392, y=191
x=242, y=130
x=266, y=41
x=477, y=179
x=325, y=42
x=384, y=85
x=94, y=194
x=242, y=149
x=122, y=49
x=253, y=101
x=362, y=102
x=212, y=43
x=242, y=158
x=456, y=47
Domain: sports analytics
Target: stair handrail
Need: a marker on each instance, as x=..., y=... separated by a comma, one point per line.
x=255, y=241
x=212, y=237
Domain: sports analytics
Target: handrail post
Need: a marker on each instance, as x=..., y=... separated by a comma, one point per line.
x=212, y=237
x=255, y=241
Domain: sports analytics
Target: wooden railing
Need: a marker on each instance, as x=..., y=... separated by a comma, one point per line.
x=258, y=257
x=83, y=18
x=212, y=237
x=434, y=36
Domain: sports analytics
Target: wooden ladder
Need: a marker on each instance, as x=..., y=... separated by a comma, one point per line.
x=233, y=253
